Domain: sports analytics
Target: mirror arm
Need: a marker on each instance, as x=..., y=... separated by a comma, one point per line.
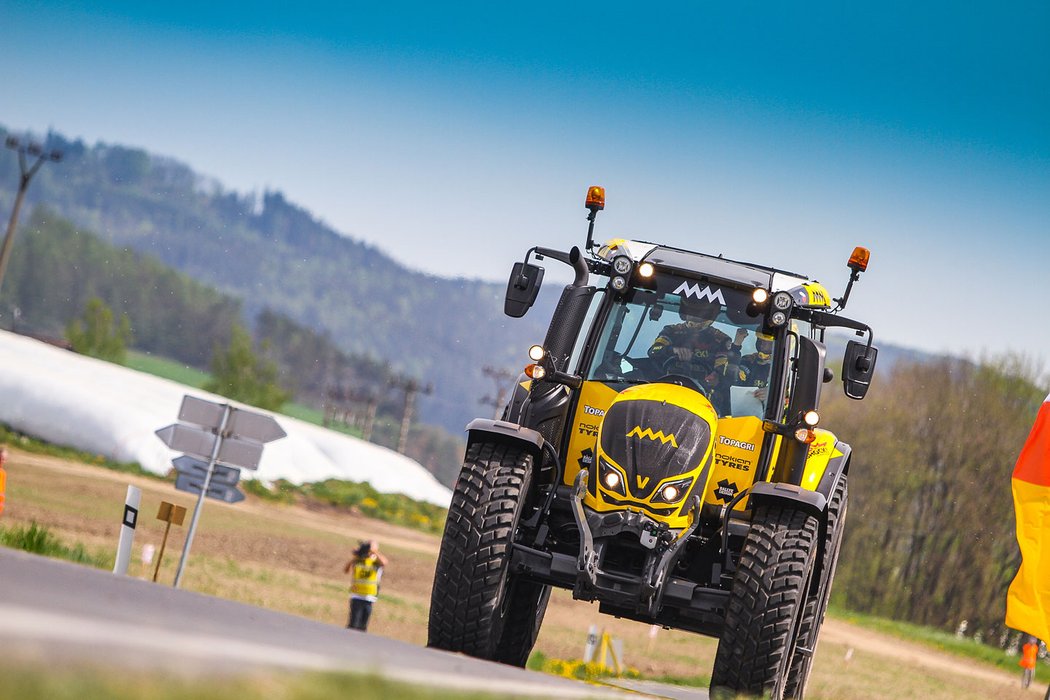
x=825, y=319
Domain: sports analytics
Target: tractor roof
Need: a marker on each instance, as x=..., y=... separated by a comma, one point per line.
x=693, y=264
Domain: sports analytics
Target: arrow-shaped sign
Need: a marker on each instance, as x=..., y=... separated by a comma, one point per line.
x=194, y=467
x=185, y=438
x=220, y=492
x=199, y=442
x=245, y=424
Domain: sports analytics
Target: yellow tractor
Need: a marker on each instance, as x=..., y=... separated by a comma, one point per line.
x=663, y=456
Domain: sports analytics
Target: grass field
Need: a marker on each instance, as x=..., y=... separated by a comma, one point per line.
x=290, y=558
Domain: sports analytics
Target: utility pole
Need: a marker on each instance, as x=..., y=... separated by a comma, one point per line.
x=500, y=377
x=27, y=173
x=411, y=387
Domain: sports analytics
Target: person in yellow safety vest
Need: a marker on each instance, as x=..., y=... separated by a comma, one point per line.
x=3, y=478
x=366, y=569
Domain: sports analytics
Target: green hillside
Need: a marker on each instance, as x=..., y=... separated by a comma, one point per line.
x=270, y=253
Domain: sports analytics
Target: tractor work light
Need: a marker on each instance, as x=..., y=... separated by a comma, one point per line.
x=535, y=371
x=759, y=296
x=646, y=270
x=621, y=264
x=596, y=198
x=811, y=418
x=781, y=301
x=859, y=260
x=537, y=353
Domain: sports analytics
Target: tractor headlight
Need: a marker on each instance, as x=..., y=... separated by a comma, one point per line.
x=759, y=296
x=610, y=477
x=778, y=318
x=619, y=283
x=672, y=492
x=646, y=270
x=536, y=353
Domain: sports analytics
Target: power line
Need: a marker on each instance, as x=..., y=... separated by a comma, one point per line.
x=23, y=148
x=504, y=381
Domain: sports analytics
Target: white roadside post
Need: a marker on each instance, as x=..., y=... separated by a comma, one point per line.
x=127, y=529
x=592, y=644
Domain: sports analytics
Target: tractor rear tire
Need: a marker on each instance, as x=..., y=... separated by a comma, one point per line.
x=817, y=603
x=477, y=606
x=766, y=603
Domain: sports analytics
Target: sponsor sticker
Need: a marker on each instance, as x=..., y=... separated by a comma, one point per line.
x=740, y=445
x=732, y=462
x=725, y=490
x=589, y=429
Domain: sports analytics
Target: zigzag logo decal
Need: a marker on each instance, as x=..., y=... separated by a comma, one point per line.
x=637, y=432
x=695, y=291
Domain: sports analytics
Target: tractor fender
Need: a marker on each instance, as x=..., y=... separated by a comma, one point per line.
x=815, y=501
x=485, y=429
x=837, y=467
x=764, y=492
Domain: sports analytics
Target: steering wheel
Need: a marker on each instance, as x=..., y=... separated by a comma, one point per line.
x=683, y=380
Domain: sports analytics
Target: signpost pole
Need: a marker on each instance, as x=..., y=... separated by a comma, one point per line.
x=204, y=491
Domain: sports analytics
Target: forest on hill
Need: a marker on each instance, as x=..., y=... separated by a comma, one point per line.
x=271, y=254
x=56, y=269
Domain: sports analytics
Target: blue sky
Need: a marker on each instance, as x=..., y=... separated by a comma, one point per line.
x=456, y=137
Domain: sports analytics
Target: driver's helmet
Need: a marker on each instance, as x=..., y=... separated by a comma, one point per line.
x=764, y=346
x=703, y=312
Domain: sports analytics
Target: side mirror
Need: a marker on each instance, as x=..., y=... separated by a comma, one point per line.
x=524, y=285
x=858, y=366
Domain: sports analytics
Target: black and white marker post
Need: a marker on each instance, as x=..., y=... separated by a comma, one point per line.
x=127, y=529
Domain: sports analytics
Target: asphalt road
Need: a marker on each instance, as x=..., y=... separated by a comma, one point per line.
x=56, y=611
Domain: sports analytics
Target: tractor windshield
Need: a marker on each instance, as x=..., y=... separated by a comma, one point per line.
x=694, y=333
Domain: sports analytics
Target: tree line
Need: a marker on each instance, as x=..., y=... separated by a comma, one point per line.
x=64, y=282
x=270, y=253
x=930, y=527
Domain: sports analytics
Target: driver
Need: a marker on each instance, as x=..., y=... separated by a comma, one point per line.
x=695, y=348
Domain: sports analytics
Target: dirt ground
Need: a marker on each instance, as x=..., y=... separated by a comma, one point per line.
x=291, y=558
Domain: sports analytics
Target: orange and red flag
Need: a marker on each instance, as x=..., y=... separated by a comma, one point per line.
x=1028, y=601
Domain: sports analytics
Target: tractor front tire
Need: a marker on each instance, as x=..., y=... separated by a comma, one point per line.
x=766, y=603
x=477, y=606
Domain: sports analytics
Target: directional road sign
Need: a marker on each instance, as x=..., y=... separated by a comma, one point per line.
x=215, y=432
x=221, y=474
x=221, y=492
x=200, y=442
x=248, y=425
